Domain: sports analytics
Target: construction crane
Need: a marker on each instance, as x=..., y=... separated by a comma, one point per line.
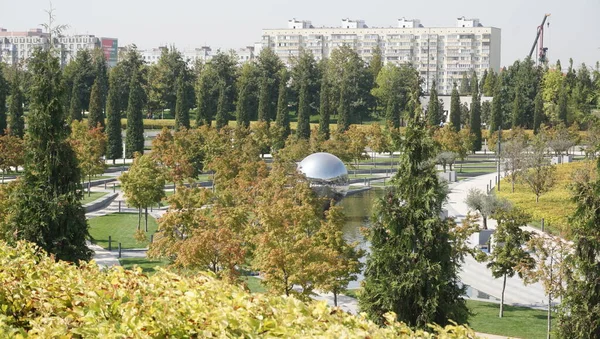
x=540, y=37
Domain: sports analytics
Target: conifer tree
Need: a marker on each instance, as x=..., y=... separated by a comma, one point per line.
x=490, y=84
x=433, y=108
x=392, y=114
x=15, y=109
x=465, y=85
x=264, y=98
x=47, y=205
x=482, y=82
x=538, y=113
x=114, y=144
x=412, y=269
x=242, y=108
x=134, y=140
x=518, y=118
x=579, y=310
x=182, y=111
x=96, y=115
x=75, y=105
x=3, y=94
x=343, y=119
x=303, y=128
x=222, y=117
x=283, y=119
x=475, y=120
x=324, y=109
x=455, y=109
x=497, y=104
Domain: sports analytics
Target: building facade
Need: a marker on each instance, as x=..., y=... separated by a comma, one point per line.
x=19, y=46
x=440, y=54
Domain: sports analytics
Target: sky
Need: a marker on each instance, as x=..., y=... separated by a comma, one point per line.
x=574, y=25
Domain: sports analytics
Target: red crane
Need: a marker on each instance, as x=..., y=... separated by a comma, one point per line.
x=540, y=37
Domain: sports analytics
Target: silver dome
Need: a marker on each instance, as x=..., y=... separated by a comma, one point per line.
x=327, y=174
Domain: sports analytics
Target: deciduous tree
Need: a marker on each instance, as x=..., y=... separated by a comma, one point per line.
x=89, y=146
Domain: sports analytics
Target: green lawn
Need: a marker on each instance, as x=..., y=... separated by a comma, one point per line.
x=518, y=322
x=147, y=266
x=92, y=197
x=254, y=284
x=121, y=227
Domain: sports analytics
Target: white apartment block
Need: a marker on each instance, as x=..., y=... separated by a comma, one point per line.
x=18, y=46
x=440, y=54
x=191, y=56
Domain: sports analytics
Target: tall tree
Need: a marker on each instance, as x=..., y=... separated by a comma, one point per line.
x=15, y=110
x=263, y=101
x=518, y=113
x=482, y=81
x=496, y=117
x=455, y=109
x=114, y=144
x=490, y=83
x=413, y=269
x=269, y=67
x=475, y=120
x=96, y=115
x=4, y=89
x=182, y=110
x=89, y=144
x=509, y=256
x=465, y=84
x=282, y=120
x=131, y=62
x=101, y=75
x=75, y=106
x=324, y=108
x=433, y=108
x=344, y=107
x=47, y=205
x=206, y=97
x=580, y=312
x=303, y=127
x=538, y=115
x=222, y=117
x=134, y=139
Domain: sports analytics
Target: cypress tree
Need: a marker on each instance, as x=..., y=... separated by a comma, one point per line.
x=96, y=115
x=455, y=109
x=47, y=205
x=412, y=269
x=303, y=128
x=242, y=109
x=101, y=72
x=75, y=105
x=475, y=120
x=114, y=144
x=579, y=306
x=562, y=105
x=182, y=111
x=538, y=113
x=324, y=109
x=518, y=118
x=221, y=118
x=392, y=114
x=465, y=85
x=482, y=82
x=134, y=141
x=264, y=101
x=496, y=117
x=490, y=84
x=343, y=120
x=3, y=95
x=283, y=118
x=204, y=99
x=433, y=108
x=15, y=110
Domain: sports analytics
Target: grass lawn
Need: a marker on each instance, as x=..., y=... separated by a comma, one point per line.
x=92, y=197
x=555, y=206
x=519, y=322
x=254, y=284
x=148, y=266
x=121, y=227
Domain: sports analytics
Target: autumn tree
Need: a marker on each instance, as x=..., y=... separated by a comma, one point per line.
x=89, y=146
x=47, y=205
x=538, y=174
x=143, y=185
x=508, y=256
x=11, y=153
x=412, y=269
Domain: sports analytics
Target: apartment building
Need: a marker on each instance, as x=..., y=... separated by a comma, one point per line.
x=440, y=54
x=203, y=54
x=17, y=46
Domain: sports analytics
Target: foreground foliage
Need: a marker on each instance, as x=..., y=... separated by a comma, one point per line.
x=42, y=298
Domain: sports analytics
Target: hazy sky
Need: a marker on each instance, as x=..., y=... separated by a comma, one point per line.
x=574, y=25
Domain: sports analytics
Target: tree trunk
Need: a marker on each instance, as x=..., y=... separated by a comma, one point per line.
x=89, y=185
x=537, y=199
x=549, y=315
x=146, y=219
x=485, y=223
x=335, y=295
x=502, y=298
x=139, y=218
x=513, y=184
